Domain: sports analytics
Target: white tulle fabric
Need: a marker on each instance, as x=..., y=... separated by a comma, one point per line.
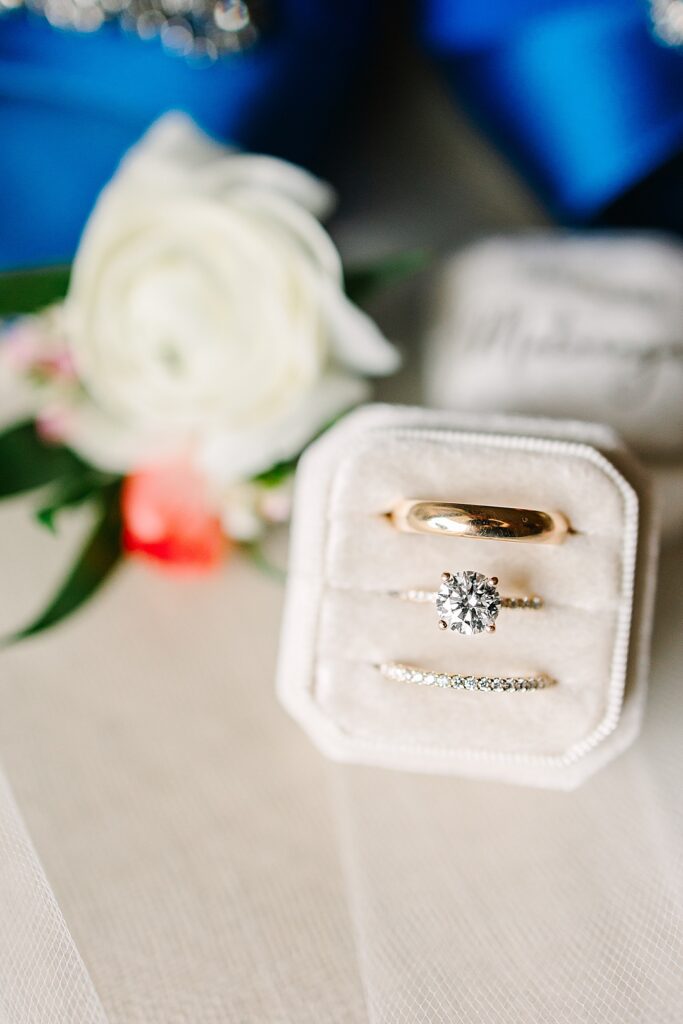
x=193, y=860
x=42, y=976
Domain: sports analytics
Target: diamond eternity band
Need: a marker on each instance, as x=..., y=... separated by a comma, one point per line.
x=401, y=673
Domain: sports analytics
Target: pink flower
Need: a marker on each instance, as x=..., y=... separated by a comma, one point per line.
x=32, y=348
x=167, y=516
x=54, y=424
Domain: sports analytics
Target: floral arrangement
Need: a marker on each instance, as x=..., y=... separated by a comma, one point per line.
x=171, y=377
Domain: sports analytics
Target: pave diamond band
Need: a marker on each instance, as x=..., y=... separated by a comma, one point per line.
x=534, y=602
x=468, y=602
x=486, y=522
x=401, y=673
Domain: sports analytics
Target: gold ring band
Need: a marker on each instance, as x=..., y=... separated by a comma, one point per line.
x=486, y=522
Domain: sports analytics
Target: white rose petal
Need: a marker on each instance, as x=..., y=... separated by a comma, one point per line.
x=206, y=311
x=295, y=225
x=114, y=446
x=233, y=456
x=355, y=338
x=173, y=150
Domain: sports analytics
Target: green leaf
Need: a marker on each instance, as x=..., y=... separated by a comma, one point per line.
x=70, y=492
x=99, y=556
x=46, y=518
x=27, y=462
x=27, y=291
x=363, y=282
x=277, y=475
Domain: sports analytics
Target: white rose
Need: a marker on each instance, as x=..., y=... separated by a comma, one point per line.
x=206, y=309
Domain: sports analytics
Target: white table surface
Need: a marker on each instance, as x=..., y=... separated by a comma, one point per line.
x=210, y=865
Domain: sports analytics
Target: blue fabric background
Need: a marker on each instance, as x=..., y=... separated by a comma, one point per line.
x=578, y=93
x=71, y=104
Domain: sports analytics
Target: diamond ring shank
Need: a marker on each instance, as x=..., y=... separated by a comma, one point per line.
x=529, y=601
x=486, y=522
x=397, y=671
x=468, y=602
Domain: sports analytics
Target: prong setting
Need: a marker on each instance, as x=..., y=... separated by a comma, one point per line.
x=468, y=602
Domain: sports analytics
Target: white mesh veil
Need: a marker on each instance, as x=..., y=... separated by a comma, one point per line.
x=42, y=977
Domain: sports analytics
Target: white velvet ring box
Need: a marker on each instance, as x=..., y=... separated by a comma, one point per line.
x=592, y=635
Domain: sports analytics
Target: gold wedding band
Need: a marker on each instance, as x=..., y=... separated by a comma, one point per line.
x=487, y=522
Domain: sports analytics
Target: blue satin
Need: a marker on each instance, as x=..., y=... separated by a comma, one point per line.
x=71, y=104
x=577, y=92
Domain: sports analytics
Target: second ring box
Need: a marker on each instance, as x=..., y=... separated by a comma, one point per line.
x=551, y=694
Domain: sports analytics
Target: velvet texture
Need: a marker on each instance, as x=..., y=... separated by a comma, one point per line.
x=341, y=620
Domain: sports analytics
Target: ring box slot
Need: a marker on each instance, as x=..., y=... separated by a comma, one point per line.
x=342, y=620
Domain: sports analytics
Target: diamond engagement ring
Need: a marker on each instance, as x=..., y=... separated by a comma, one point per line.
x=468, y=602
x=401, y=673
x=486, y=522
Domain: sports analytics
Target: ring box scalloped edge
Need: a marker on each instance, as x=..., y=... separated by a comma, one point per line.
x=346, y=559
